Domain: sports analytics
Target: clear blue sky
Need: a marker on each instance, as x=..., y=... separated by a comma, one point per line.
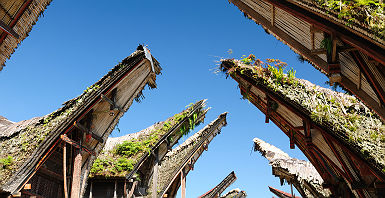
x=77, y=42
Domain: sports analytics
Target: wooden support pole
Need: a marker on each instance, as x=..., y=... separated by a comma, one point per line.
x=65, y=170
x=267, y=118
x=90, y=190
x=116, y=189
x=132, y=189
x=312, y=37
x=334, y=48
x=125, y=189
x=75, y=190
x=183, y=184
x=155, y=176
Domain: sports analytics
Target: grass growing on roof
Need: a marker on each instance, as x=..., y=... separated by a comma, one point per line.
x=121, y=160
x=367, y=12
x=343, y=114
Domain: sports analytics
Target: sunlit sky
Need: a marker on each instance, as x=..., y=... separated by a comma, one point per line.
x=77, y=42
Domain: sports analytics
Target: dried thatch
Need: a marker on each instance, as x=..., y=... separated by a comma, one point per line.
x=176, y=160
x=299, y=172
x=235, y=193
x=24, y=143
x=20, y=17
x=344, y=116
x=218, y=189
x=123, y=155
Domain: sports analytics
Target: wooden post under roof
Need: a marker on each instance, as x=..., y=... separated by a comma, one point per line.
x=75, y=190
x=65, y=169
x=183, y=183
x=115, y=189
x=155, y=176
x=90, y=190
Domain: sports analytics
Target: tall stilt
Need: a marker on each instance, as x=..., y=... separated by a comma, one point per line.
x=183, y=184
x=65, y=170
x=155, y=176
x=75, y=190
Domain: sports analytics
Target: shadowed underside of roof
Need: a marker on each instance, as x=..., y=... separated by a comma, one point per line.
x=281, y=194
x=218, y=189
x=17, y=20
x=293, y=170
x=29, y=143
x=329, y=127
x=183, y=157
x=347, y=51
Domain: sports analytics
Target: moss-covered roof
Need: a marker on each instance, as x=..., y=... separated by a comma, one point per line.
x=23, y=142
x=121, y=154
x=341, y=114
x=235, y=193
x=175, y=160
x=365, y=14
x=302, y=171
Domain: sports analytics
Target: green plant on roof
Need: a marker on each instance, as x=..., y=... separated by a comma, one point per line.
x=5, y=163
x=368, y=12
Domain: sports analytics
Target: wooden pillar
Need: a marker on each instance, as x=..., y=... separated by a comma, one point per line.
x=132, y=189
x=90, y=189
x=75, y=190
x=183, y=183
x=116, y=189
x=125, y=189
x=155, y=176
x=65, y=170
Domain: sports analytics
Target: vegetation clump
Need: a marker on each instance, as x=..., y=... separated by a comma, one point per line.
x=370, y=13
x=6, y=162
x=342, y=114
x=120, y=160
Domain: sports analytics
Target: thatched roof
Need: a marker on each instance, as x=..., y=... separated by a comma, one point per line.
x=296, y=171
x=218, y=189
x=281, y=194
x=235, y=193
x=348, y=54
x=176, y=160
x=123, y=155
x=18, y=17
x=342, y=115
x=25, y=143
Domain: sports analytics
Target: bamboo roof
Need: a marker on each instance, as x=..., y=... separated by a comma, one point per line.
x=339, y=38
x=183, y=157
x=218, y=189
x=26, y=145
x=235, y=193
x=330, y=127
x=301, y=173
x=125, y=154
x=17, y=20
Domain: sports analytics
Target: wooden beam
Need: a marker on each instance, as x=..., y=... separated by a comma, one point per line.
x=8, y=30
x=268, y=109
x=112, y=103
x=155, y=175
x=85, y=130
x=91, y=186
x=131, y=193
x=116, y=189
x=75, y=190
x=75, y=144
x=183, y=184
x=369, y=75
x=65, y=171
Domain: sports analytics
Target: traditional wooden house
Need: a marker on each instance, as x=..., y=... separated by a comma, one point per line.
x=17, y=19
x=282, y=194
x=235, y=193
x=345, y=40
x=299, y=173
x=221, y=187
x=51, y=156
x=341, y=137
x=127, y=163
x=174, y=167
